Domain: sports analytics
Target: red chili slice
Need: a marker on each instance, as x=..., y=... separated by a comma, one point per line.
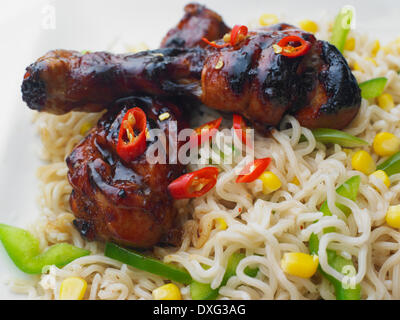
x=205, y=132
x=253, y=170
x=292, y=47
x=194, y=184
x=236, y=31
x=239, y=126
x=132, y=135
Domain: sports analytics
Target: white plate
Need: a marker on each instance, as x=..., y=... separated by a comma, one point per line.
x=32, y=27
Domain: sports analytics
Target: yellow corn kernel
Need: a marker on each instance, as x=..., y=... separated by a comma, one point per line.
x=295, y=181
x=375, y=48
x=309, y=26
x=167, y=292
x=85, y=128
x=267, y=19
x=371, y=60
x=299, y=264
x=380, y=174
x=386, y=144
x=73, y=288
x=362, y=161
x=350, y=44
x=393, y=216
x=357, y=67
x=385, y=101
x=220, y=224
x=270, y=182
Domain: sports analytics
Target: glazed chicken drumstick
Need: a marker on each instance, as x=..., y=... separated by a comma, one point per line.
x=197, y=23
x=249, y=78
x=127, y=201
x=124, y=202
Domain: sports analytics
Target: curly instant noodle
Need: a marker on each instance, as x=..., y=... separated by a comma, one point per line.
x=263, y=226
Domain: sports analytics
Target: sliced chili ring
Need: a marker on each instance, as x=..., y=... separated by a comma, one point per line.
x=239, y=126
x=253, y=170
x=205, y=132
x=194, y=184
x=288, y=48
x=132, y=134
x=236, y=31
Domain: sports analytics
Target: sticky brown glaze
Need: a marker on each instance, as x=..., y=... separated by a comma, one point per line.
x=333, y=96
x=113, y=200
x=329, y=94
x=253, y=80
x=197, y=23
x=64, y=80
x=248, y=78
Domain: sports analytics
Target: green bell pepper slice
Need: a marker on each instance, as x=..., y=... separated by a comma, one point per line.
x=348, y=189
x=198, y=290
x=337, y=262
x=338, y=137
x=341, y=138
x=372, y=88
x=341, y=28
x=23, y=249
x=203, y=291
x=148, y=264
x=392, y=165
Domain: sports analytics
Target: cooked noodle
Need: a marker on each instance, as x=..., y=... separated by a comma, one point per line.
x=262, y=226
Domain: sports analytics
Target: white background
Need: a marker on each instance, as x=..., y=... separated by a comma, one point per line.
x=93, y=25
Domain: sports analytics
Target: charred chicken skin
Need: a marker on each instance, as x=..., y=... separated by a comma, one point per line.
x=317, y=88
x=64, y=80
x=248, y=78
x=113, y=200
x=197, y=23
x=128, y=202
